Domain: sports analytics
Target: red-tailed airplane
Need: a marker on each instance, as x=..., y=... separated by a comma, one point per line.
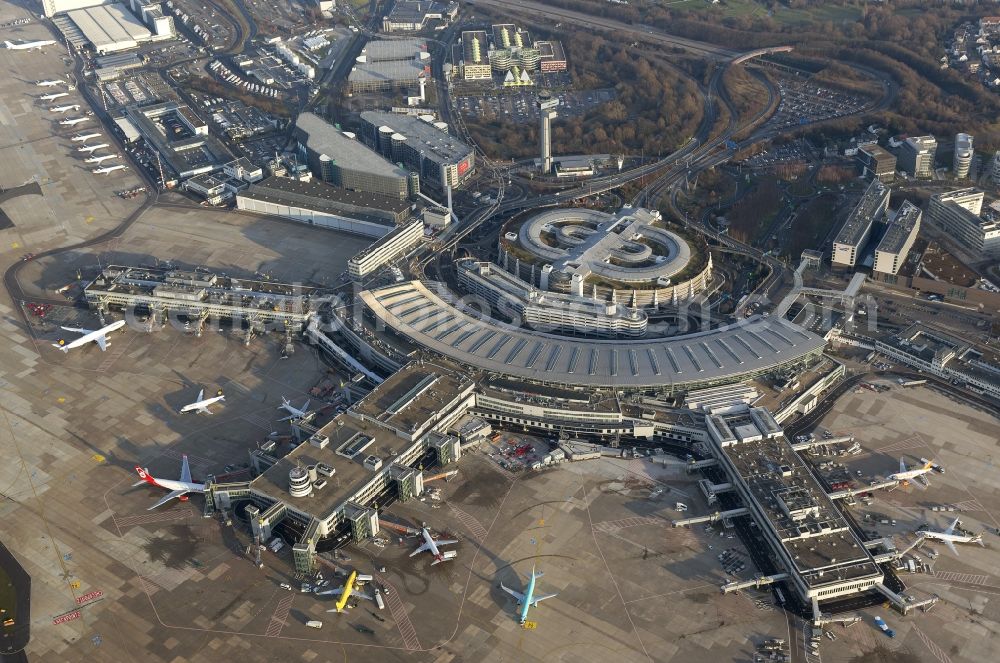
x=178, y=489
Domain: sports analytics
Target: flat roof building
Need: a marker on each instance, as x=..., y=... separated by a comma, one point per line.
x=854, y=234
x=181, y=137
x=876, y=162
x=958, y=214
x=388, y=75
x=414, y=15
x=338, y=158
x=806, y=533
x=551, y=56
x=320, y=204
x=475, y=56
x=440, y=158
x=396, y=242
x=895, y=245
x=110, y=28
x=917, y=156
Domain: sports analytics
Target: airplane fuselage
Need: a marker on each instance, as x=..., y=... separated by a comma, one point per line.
x=63, y=109
x=50, y=83
x=202, y=404
x=528, y=594
x=74, y=121
x=29, y=45
x=85, y=137
x=909, y=474
x=99, y=159
x=429, y=540
x=53, y=96
x=109, y=169
x=92, y=336
x=953, y=538
x=91, y=148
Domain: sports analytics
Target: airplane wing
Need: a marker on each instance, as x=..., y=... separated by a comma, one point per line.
x=902, y=465
x=78, y=330
x=336, y=591
x=169, y=496
x=201, y=396
x=185, y=470
x=204, y=410
x=102, y=341
x=535, y=600
x=445, y=542
x=922, y=481
x=423, y=548
x=363, y=595
x=951, y=528
x=517, y=595
x=951, y=546
x=305, y=406
x=291, y=416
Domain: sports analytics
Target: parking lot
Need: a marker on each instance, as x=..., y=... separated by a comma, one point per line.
x=520, y=106
x=805, y=102
x=796, y=151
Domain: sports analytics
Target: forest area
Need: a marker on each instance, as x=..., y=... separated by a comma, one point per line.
x=656, y=107
x=904, y=39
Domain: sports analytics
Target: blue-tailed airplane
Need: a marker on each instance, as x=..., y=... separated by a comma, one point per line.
x=528, y=599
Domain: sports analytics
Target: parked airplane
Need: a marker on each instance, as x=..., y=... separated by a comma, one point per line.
x=53, y=96
x=201, y=405
x=528, y=599
x=89, y=149
x=108, y=169
x=100, y=337
x=98, y=160
x=72, y=122
x=85, y=137
x=949, y=538
x=904, y=475
x=29, y=45
x=431, y=545
x=63, y=109
x=346, y=591
x=50, y=83
x=178, y=489
x=295, y=413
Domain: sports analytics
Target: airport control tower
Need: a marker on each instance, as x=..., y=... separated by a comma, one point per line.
x=547, y=111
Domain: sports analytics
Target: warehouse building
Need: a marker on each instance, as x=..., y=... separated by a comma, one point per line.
x=415, y=15
x=440, y=158
x=340, y=159
x=110, y=28
x=319, y=204
x=854, y=234
x=958, y=214
x=52, y=7
x=895, y=245
x=393, y=244
x=548, y=311
x=389, y=64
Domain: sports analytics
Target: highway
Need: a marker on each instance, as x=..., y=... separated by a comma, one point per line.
x=622, y=31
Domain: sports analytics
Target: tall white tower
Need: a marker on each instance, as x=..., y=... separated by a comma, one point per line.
x=963, y=155
x=547, y=112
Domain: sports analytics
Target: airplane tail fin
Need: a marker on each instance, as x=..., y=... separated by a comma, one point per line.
x=8, y=44
x=144, y=476
x=60, y=346
x=929, y=465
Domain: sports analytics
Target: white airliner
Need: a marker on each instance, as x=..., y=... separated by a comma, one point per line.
x=178, y=489
x=98, y=160
x=201, y=405
x=80, y=138
x=949, y=538
x=50, y=83
x=72, y=122
x=904, y=475
x=63, y=109
x=431, y=545
x=29, y=45
x=53, y=96
x=90, y=148
x=107, y=170
x=100, y=337
x=294, y=412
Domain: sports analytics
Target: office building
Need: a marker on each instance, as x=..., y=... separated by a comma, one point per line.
x=338, y=158
x=423, y=146
x=963, y=155
x=242, y=169
x=319, y=204
x=957, y=213
x=210, y=187
x=995, y=169
x=551, y=56
x=895, y=245
x=548, y=311
x=917, y=156
x=475, y=56
x=875, y=162
x=395, y=243
x=181, y=138
x=854, y=234
x=512, y=48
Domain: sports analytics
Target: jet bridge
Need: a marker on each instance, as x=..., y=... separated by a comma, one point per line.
x=710, y=518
